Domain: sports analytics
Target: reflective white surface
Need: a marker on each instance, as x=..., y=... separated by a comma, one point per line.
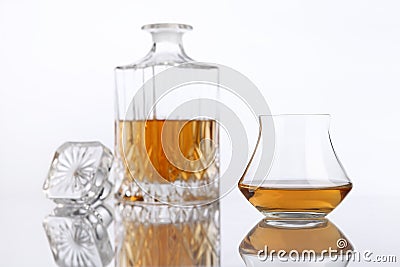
x=369, y=222
x=57, y=84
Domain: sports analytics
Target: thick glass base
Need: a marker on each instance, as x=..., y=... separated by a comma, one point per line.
x=295, y=223
x=295, y=219
x=293, y=214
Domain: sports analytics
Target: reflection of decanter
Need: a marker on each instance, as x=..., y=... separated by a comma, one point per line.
x=303, y=178
x=162, y=155
x=318, y=245
x=161, y=235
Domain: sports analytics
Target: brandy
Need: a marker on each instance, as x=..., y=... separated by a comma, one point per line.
x=168, y=151
x=295, y=196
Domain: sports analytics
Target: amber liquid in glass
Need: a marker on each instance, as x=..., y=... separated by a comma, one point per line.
x=295, y=196
x=165, y=151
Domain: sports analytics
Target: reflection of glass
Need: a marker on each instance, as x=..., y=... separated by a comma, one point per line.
x=161, y=235
x=321, y=245
x=160, y=155
x=304, y=178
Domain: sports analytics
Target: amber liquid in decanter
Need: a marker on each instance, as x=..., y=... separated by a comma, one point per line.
x=143, y=146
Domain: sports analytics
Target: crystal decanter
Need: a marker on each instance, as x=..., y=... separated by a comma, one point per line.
x=166, y=146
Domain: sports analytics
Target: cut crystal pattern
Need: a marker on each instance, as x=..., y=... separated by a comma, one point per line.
x=161, y=235
x=78, y=173
x=78, y=238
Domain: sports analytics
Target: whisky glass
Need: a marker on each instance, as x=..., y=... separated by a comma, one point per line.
x=294, y=172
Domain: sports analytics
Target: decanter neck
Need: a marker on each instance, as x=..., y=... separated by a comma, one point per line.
x=167, y=41
x=165, y=36
x=168, y=44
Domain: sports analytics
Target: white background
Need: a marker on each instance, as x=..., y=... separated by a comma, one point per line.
x=56, y=84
